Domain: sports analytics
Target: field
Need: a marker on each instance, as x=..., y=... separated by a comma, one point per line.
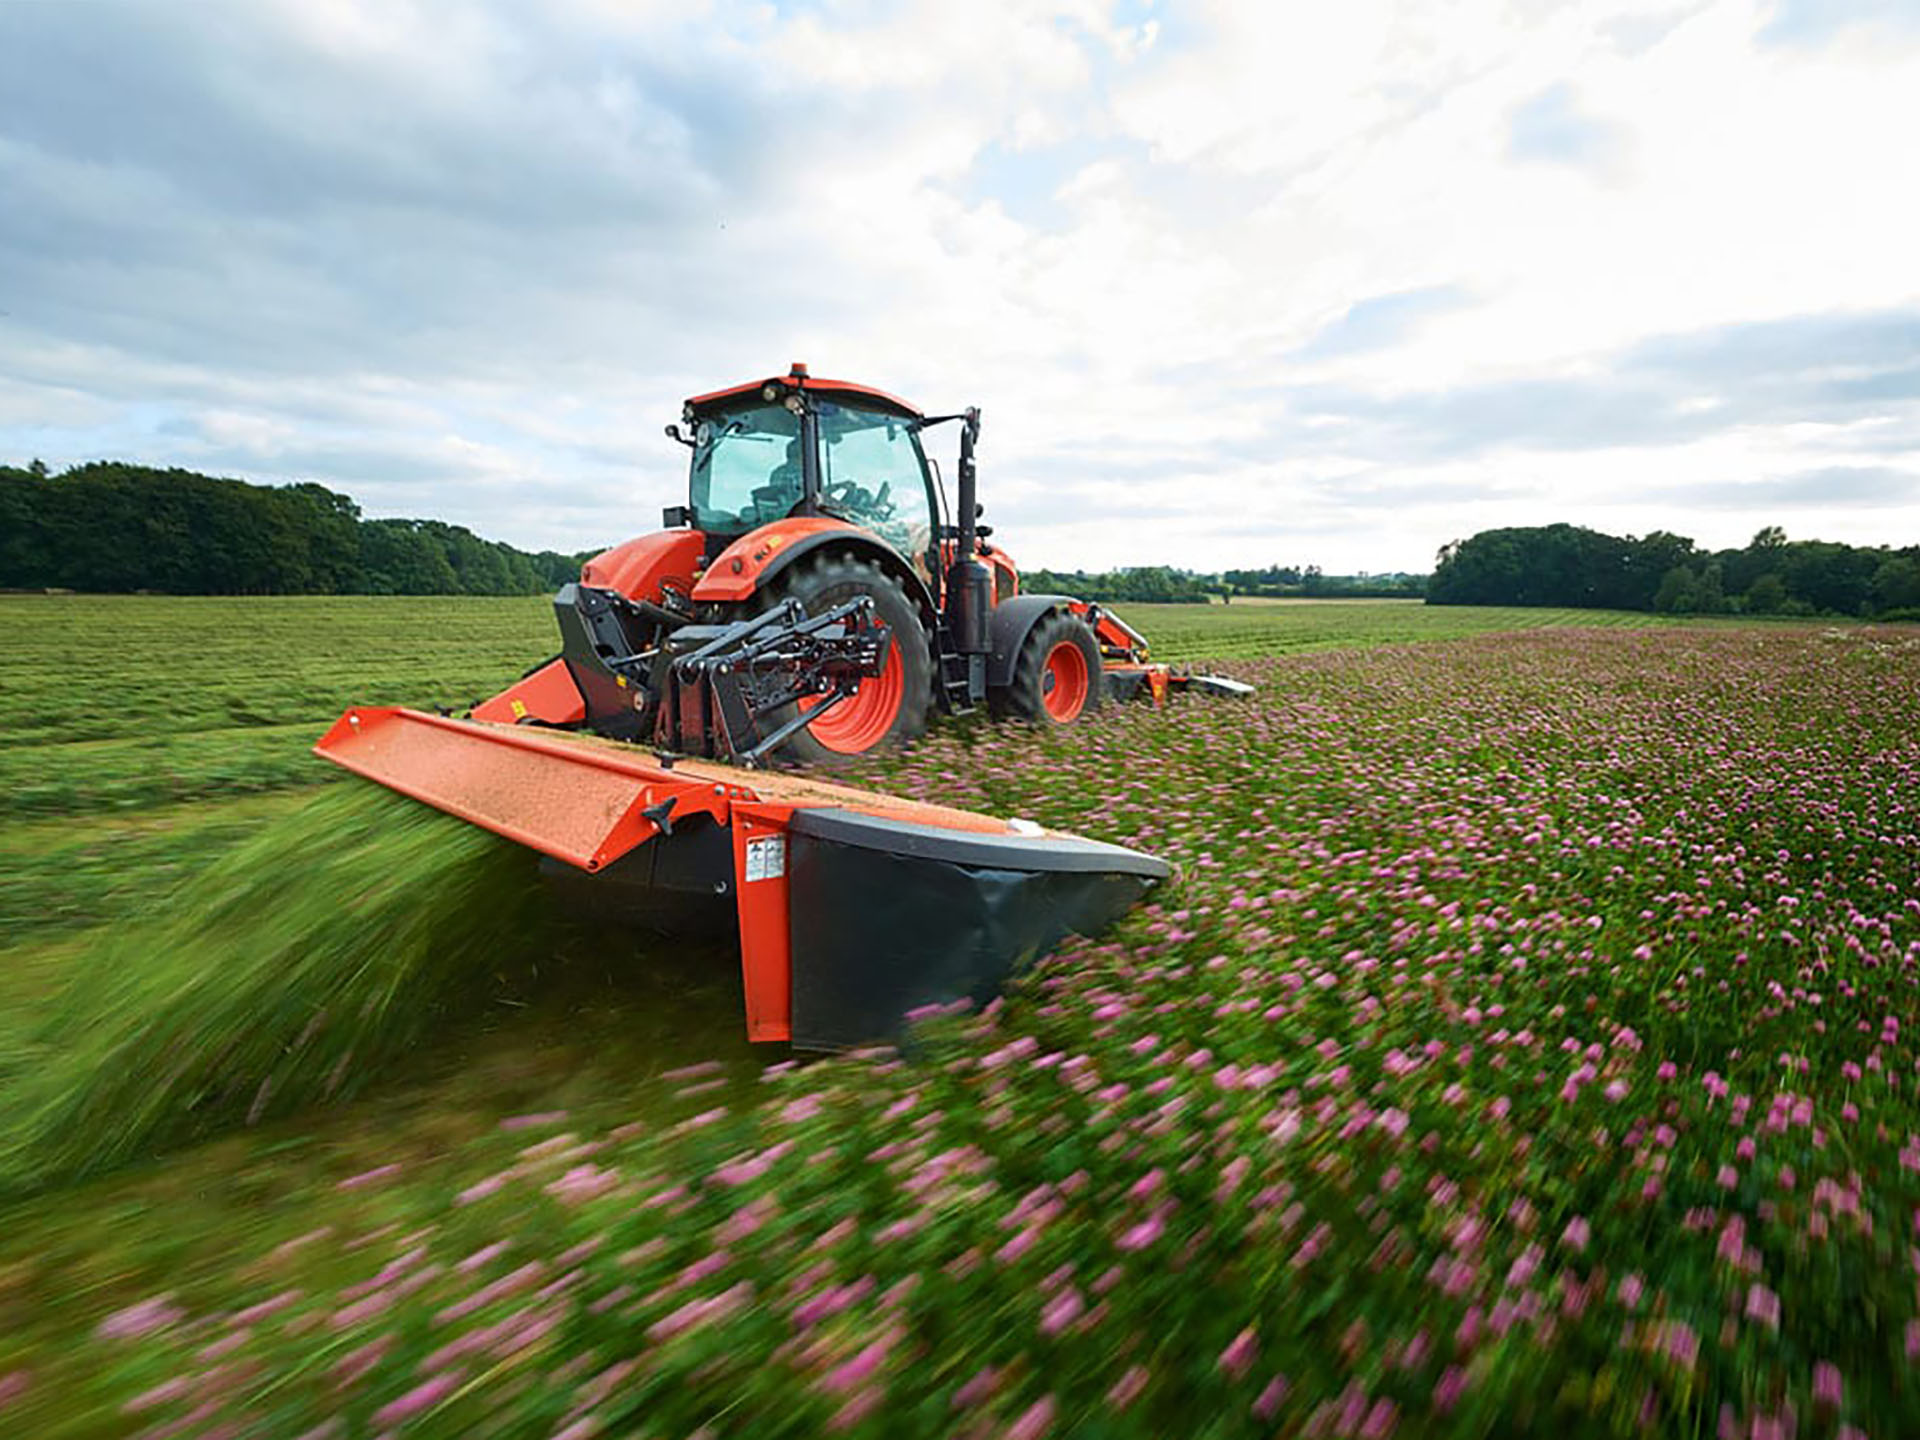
x=1526, y=1046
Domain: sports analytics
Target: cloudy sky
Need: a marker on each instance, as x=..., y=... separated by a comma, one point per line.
x=1234, y=282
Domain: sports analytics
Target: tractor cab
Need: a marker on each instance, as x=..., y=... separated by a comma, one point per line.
x=795, y=446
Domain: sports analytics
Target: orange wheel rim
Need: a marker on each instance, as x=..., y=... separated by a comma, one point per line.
x=1063, y=681
x=864, y=718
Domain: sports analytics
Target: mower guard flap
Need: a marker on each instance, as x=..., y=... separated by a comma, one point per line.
x=887, y=917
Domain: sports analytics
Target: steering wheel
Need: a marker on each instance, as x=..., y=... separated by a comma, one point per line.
x=851, y=495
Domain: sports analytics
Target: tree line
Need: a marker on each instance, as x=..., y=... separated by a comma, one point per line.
x=112, y=527
x=1310, y=582
x=1168, y=585
x=1570, y=566
x=121, y=528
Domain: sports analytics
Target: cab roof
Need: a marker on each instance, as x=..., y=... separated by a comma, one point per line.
x=796, y=379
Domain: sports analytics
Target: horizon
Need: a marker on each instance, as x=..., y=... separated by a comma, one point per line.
x=1233, y=288
x=1772, y=535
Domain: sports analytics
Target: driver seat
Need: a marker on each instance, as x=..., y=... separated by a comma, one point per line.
x=785, y=487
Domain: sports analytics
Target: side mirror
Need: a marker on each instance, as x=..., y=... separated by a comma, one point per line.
x=673, y=433
x=675, y=516
x=978, y=509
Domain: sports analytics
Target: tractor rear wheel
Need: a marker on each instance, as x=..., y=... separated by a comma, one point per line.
x=1057, y=677
x=889, y=709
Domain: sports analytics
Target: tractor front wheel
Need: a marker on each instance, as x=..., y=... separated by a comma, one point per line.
x=1057, y=677
x=888, y=709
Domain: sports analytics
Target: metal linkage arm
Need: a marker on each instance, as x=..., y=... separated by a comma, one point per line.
x=754, y=667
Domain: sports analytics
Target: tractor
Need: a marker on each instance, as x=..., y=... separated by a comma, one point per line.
x=817, y=597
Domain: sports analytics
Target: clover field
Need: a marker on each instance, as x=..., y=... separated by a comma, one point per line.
x=1527, y=1046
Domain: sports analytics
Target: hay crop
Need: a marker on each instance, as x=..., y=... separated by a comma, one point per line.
x=287, y=973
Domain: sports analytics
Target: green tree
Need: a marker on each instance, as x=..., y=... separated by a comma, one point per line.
x=1830, y=578
x=113, y=527
x=25, y=560
x=1710, y=595
x=1896, y=584
x=1678, y=593
x=396, y=558
x=1485, y=569
x=1767, y=595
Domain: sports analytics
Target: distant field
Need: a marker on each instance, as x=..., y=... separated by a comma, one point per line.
x=142, y=736
x=1249, y=628
x=126, y=701
x=118, y=701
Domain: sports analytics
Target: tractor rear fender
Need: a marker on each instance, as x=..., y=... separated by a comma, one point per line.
x=739, y=571
x=1007, y=630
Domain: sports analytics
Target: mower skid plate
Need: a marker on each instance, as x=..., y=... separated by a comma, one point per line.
x=855, y=909
x=1212, y=685
x=1125, y=680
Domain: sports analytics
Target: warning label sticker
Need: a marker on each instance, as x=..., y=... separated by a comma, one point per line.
x=766, y=858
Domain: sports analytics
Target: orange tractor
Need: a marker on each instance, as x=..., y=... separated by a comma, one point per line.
x=815, y=600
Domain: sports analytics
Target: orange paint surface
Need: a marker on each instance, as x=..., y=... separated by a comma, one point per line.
x=735, y=573
x=548, y=694
x=638, y=568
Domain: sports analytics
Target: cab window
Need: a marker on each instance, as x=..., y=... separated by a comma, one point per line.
x=746, y=469
x=872, y=473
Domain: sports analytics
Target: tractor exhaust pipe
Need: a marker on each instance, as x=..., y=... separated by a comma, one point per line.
x=969, y=583
x=969, y=503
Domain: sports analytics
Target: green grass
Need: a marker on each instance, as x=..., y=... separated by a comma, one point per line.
x=585, y=1041
x=60, y=876
x=1249, y=628
x=121, y=703
x=95, y=667
x=284, y=972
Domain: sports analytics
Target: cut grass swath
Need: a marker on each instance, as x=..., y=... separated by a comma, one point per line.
x=285, y=973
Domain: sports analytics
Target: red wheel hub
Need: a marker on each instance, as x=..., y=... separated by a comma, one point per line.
x=1063, y=681
x=864, y=718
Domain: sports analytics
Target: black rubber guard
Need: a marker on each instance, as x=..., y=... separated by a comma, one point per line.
x=885, y=917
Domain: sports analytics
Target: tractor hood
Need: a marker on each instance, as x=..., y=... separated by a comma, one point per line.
x=647, y=567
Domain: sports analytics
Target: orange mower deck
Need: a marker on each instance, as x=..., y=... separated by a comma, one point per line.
x=855, y=909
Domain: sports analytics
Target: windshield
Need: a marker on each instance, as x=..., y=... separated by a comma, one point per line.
x=872, y=473
x=746, y=469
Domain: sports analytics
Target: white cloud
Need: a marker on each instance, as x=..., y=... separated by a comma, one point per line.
x=1234, y=283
